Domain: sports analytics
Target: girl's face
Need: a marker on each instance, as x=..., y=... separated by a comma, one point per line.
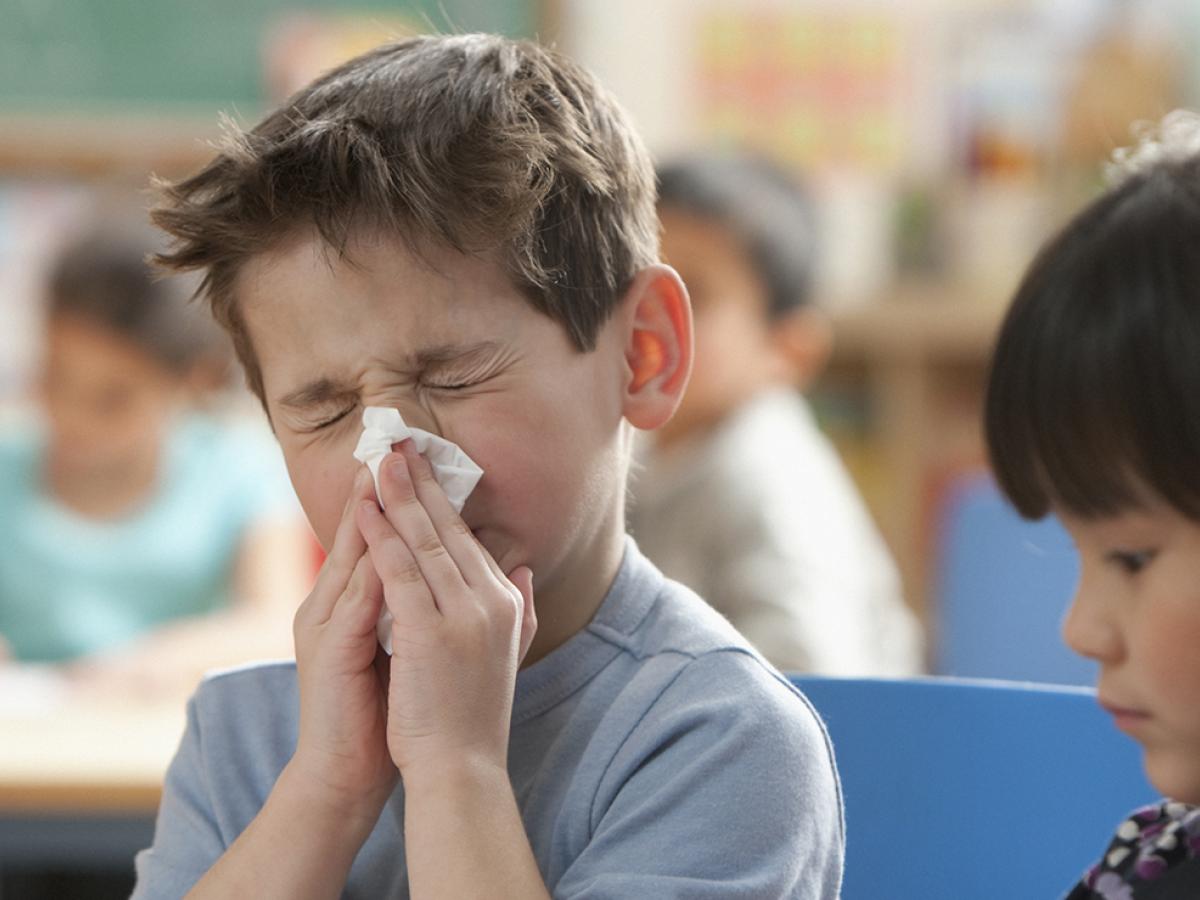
x=1137, y=613
x=106, y=401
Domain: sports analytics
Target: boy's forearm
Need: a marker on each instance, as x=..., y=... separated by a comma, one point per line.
x=464, y=836
x=298, y=847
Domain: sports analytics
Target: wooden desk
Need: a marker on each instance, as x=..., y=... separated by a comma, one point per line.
x=79, y=781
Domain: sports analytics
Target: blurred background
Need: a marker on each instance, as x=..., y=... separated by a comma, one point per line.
x=940, y=140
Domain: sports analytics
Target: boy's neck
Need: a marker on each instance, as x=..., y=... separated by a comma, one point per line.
x=566, y=605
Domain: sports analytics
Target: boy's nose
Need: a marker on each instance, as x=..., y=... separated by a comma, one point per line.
x=416, y=416
x=1088, y=629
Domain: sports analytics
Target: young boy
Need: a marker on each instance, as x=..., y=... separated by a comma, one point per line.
x=463, y=229
x=741, y=497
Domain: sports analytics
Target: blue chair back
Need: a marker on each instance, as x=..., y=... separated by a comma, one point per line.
x=957, y=789
x=1004, y=585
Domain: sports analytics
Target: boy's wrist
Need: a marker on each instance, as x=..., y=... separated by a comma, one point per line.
x=454, y=775
x=356, y=814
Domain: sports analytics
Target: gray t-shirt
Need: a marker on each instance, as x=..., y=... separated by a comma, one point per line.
x=654, y=754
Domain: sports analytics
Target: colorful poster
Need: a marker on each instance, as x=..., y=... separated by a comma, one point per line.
x=816, y=88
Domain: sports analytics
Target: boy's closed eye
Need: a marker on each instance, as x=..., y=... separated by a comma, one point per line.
x=446, y=384
x=328, y=419
x=443, y=383
x=333, y=419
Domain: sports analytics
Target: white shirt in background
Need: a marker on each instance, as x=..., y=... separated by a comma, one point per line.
x=762, y=520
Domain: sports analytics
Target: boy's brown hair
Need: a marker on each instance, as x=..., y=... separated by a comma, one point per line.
x=476, y=142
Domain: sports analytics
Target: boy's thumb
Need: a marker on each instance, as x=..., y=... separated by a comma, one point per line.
x=522, y=579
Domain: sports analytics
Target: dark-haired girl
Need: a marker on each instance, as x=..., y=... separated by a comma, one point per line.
x=1093, y=413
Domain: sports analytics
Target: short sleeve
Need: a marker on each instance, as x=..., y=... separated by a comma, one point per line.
x=726, y=789
x=187, y=839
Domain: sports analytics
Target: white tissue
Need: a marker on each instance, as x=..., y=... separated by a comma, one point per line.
x=456, y=472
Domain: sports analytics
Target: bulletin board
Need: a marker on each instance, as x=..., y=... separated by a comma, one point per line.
x=105, y=55
x=817, y=87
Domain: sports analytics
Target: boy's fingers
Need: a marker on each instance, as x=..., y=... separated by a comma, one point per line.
x=410, y=520
x=347, y=549
x=453, y=532
x=405, y=589
x=348, y=544
x=357, y=609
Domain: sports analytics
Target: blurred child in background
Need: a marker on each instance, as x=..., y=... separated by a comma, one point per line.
x=1093, y=413
x=742, y=498
x=141, y=542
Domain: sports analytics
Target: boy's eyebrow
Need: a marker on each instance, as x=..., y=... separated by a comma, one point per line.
x=314, y=393
x=448, y=353
x=323, y=390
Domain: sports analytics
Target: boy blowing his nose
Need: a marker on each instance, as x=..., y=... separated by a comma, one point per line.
x=463, y=229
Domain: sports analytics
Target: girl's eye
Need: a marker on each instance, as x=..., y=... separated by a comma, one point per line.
x=1132, y=561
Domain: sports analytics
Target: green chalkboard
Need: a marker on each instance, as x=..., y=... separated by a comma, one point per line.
x=63, y=55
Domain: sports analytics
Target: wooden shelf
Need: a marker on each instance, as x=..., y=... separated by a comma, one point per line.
x=93, y=146
x=910, y=351
x=926, y=323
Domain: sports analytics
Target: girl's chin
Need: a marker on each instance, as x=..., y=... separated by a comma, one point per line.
x=1177, y=779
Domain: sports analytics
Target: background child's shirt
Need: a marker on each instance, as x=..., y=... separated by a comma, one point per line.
x=652, y=755
x=762, y=520
x=1155, y=855
x=71, y=585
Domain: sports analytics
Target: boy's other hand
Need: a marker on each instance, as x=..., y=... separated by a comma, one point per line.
x=342, y=750
x=461, y=626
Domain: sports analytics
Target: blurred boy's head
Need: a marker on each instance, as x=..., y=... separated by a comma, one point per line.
x=121, y=349
x=462, y=228
x=740, y=232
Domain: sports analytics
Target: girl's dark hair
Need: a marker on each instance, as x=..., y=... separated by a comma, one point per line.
x=1093, y=401
x=105, y=279
x=762, y=206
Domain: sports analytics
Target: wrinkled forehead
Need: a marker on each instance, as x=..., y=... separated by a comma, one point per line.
x=307, y=308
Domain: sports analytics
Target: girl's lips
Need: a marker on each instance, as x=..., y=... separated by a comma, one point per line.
x=1124, y=716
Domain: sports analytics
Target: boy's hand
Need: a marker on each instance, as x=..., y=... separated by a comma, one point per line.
x=342, y=747
x=461, y=627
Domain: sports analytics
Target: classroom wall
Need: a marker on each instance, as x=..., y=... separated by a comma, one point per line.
x=83, y=54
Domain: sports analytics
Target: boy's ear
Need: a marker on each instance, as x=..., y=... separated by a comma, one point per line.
x=658, y=346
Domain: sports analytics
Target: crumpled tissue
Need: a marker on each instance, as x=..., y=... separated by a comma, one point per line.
x=456, y=472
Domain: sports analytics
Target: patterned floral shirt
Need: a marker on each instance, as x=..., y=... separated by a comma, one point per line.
x=1155, y=855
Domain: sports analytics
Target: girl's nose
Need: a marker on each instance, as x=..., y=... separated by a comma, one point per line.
x=1089, y=628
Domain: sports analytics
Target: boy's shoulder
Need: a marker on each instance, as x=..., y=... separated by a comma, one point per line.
x=674, y=644
x=647, y=614
x=251, y=711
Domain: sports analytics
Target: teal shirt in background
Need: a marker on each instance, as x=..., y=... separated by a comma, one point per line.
x=71, y=585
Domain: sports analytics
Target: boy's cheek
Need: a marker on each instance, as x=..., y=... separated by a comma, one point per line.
x=323, y=491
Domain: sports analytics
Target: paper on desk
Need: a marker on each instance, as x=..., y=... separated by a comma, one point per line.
x=456, y=472
x=30, y=688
